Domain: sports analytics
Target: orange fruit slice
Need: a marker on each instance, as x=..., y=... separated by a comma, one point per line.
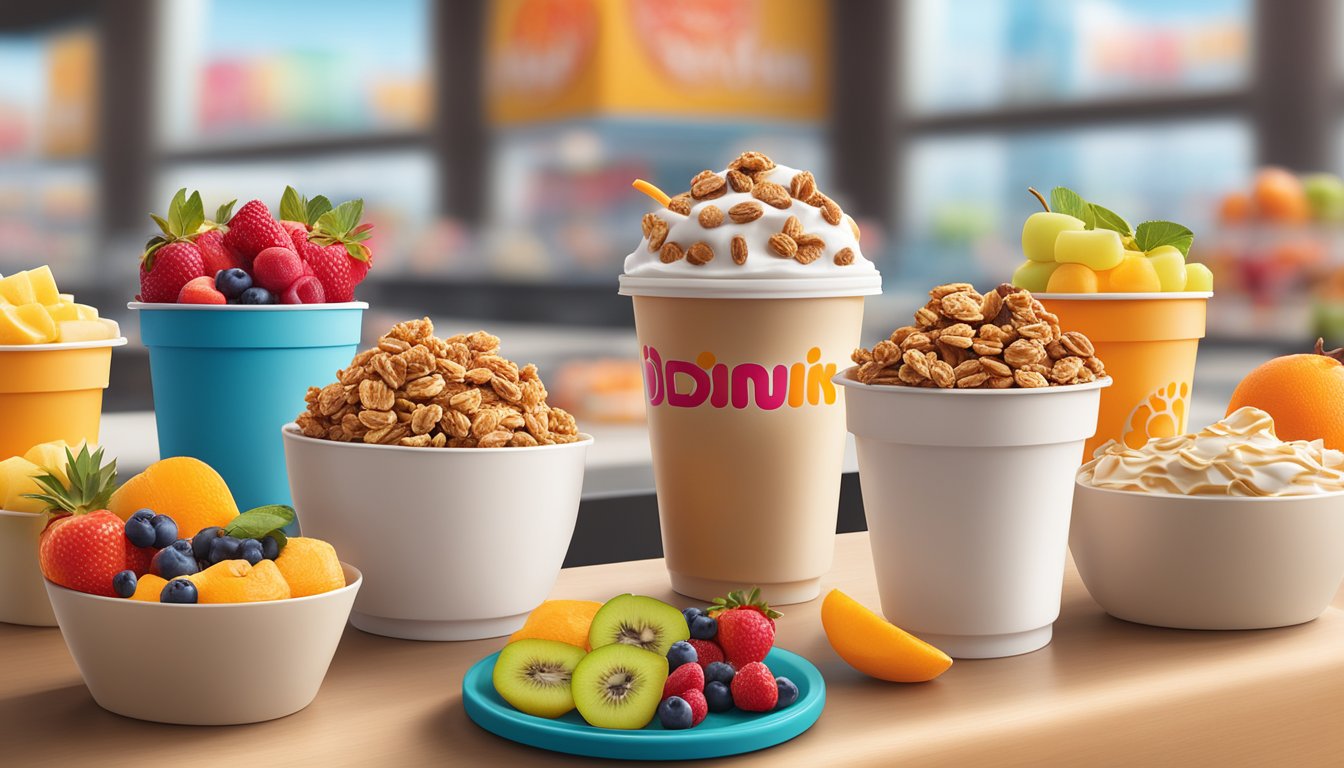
x=237, y=581
x=564, y=620
x=185, y=489
x=875, y=646
x=310, y=566
x=148, y=588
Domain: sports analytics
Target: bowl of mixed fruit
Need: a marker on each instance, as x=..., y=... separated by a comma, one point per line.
x=637, y=678
x=168, y=555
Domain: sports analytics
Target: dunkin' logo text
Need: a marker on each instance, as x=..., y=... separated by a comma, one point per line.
x=686, y=384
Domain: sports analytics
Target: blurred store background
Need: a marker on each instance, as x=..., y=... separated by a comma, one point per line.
x=494, y=144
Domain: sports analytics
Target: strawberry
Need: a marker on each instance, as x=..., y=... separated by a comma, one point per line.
x=687, y=677
x=211, y=241
x=275, y=269
x=85, y=545
x=305, y=290
x=699, y=705
x=201, y=290
x=335, y=250
x=171, y=259
x=707, y=652
x=754, y=688
x=746, y=626
x=251, y=231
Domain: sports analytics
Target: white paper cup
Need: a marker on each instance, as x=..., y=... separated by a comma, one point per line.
x=968, y=493
x=23, y=599
x=1209, y=562
x=455, y=543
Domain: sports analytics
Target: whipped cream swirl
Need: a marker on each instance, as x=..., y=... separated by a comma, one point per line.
x=1238, y=456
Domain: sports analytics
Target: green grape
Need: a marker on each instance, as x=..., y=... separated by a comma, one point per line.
x=1198, y=278
x=1034, y=275
x=1039, y=233
x=1170, y=266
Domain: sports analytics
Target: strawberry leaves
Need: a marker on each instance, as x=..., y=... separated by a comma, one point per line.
x=185, y=217
x=340, y=225
x=296, y=207
x=223, y=213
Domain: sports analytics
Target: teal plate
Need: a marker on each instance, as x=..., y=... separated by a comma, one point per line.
x=721, y=734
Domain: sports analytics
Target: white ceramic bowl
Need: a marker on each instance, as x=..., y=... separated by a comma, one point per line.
x=1208, y=562
x=456, y=543
x=23, y=599
x=261, y=660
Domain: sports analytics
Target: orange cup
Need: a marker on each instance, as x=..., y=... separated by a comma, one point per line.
x=1148, y=342
x=52, y=392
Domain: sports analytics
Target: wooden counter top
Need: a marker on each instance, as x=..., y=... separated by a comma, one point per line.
x=1105, y=692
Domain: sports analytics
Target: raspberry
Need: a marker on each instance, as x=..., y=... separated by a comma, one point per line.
x=304, y=290
x=687, y=677
x=754, y=688
x=275, y=269
x=707, y=651
x=699, y=706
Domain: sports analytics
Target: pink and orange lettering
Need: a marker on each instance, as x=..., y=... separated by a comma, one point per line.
x=686, y=384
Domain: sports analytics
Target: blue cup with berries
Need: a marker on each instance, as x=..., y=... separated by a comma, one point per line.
x=227, y=377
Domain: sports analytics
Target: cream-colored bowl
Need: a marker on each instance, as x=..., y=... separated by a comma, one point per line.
x=23, y=599
x=455, y=543
x=216, y=664
x=1208, y=562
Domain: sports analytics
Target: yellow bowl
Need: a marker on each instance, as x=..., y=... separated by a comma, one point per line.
x=52, y=392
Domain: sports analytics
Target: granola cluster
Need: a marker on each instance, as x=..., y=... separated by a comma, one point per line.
x=747, y=174
x=416, y=389
x=962, y=339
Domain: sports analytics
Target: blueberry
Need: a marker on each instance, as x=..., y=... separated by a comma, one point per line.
x=174, y=560
x=165, y=530
x=719, y=696
x=704, y=627
x=200, y=543
x=178, y=591
x=788, y=692
x=270, y=548
x=225, y=548
x=232, y=282
x=691, y=613
x=250, y=550
x=140, y=528
x=675, y=714
x=256, y=295
x=680, y=653
x=124, y=583
x=721, y=671
x=201, y=565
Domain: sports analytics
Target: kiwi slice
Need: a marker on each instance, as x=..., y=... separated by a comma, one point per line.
x=639, y=621
x=534, y=676
x=619, y=686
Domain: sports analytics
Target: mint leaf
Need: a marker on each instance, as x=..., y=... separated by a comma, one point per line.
x=280, y=539
x=1151, y=234
x=292, y=206
x=259, y=522
x=315, y=208
x=1108, y=219
x=1065, y=200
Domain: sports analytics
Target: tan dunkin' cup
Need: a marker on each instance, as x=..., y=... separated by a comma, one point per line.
x=748, y=294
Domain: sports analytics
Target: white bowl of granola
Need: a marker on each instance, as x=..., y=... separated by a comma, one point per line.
x=437, y=466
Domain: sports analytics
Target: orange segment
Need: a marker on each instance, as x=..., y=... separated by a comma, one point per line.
x=186, y=489
x=876, y=647
x=237, y=581
x=564, y=620
x=148, y=588
x=310, y=566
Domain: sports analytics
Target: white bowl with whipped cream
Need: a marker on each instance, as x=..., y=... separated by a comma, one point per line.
x=1226, y=528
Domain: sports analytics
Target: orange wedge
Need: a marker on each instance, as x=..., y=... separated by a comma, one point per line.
x=875, y=646
x=564, y=620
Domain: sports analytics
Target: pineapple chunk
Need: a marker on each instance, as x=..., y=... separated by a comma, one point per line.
x=82, y=330
x=51, y=457
x=67, y=298
x=84, y=312
x=113, y=329
x=62, y=311
x=17, y=478
x=26, y=324
x=44, y=285
x=18, y=289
